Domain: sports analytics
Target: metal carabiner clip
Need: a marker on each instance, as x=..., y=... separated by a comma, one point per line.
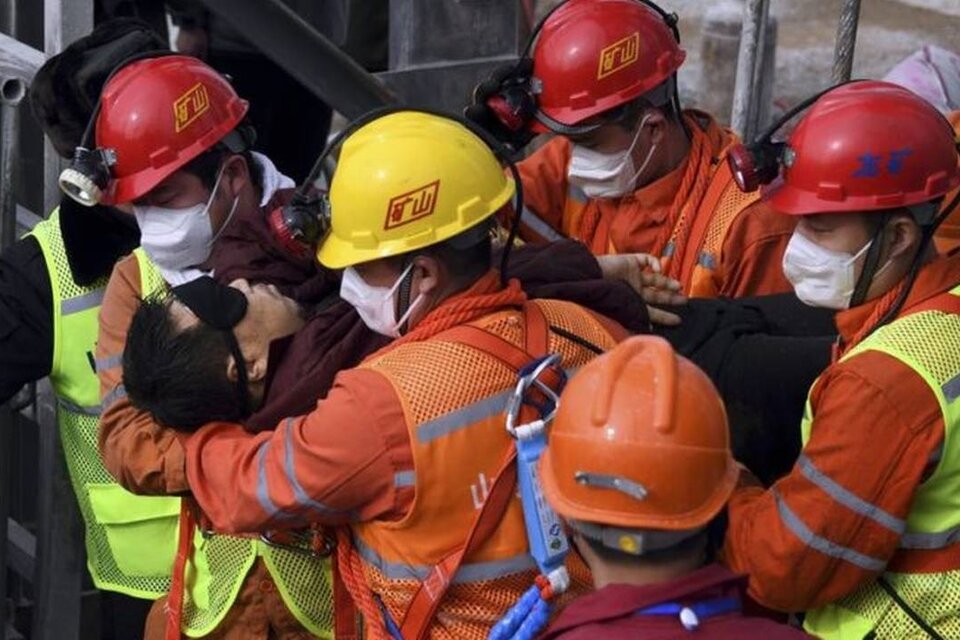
x=530, y=378
x=310, y=542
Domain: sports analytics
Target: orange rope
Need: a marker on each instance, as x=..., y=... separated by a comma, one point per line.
x=884, y=304
x=483, y=298
x=694, y=185
x=355, y=580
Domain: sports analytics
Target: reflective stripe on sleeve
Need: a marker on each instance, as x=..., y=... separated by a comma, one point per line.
x=824, y=546
x=539, y=226
x=848, y=499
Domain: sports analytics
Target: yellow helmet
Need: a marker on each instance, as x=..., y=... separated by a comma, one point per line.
x=408, y=180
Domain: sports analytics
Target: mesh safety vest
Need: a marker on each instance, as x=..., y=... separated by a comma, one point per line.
x=219, y=563
x=118, y=524
x=454, y=398
x=928, y=342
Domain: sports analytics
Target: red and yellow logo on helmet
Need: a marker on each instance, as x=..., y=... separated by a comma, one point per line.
x=619, y=55
x=412, y=205
x=190, y=106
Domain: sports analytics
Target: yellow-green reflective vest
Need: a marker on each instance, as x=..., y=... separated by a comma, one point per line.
x=219, y=563
x=118, y=524
x=928, y=342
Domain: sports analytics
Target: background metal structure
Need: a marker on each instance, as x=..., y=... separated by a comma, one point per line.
x=305, y=53
x=846, y=41
x=746, y=93
x=52, y=562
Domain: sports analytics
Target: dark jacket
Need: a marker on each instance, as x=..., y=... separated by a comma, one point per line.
x=611, y=613
x=94, y=239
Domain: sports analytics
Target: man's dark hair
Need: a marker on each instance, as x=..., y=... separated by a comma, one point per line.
x=708, y=541
x=466, y=256
x=206, y=166
x=661, y=97
x=178, y=376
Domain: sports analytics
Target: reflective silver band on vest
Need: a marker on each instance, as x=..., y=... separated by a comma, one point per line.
x=468, y=415
x=474, y=572
x=462, y=418
x=706, y=260
x=539, y=226
x=824, y=546
x=951, y=390
x=848, y=499
x=66, y=405
x=108, y=362
x=928, y=541
x=90, y=300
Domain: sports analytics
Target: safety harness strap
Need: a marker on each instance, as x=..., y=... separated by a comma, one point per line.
x=188, y=524
x=423, y=606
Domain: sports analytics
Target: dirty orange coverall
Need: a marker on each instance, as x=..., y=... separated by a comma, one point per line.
x=420, y=419
x=147, y=458
x=827, y=528
x=716, y=240
x=948, y=234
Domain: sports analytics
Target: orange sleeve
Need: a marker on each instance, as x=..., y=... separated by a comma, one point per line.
x=343, y=462
x=833, y=522
x=752, y=254
x=544, y=177
x=143, y=456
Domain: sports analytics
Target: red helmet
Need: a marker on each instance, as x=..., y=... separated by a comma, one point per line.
x=593, y=55
x=156, y=115
x=866, y=146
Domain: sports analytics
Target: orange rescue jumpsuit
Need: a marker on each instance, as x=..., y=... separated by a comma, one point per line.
x=371, y=454
x=147, y=458
x=822, y=531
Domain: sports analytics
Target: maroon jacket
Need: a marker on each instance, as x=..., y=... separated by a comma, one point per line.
x=610, y=613
x=301, y=370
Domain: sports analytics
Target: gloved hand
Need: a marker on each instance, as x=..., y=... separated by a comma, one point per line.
x=504, y=105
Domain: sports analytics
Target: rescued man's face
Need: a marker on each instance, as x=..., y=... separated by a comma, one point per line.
x=270, y=316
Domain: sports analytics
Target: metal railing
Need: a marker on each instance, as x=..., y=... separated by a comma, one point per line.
x=52, y=561
x=748, y=99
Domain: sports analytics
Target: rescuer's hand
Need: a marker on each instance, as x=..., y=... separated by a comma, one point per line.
x=642, y=272
x=504, y=106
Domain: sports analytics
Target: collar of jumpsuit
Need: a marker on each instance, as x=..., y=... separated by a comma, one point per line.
x=937, y=277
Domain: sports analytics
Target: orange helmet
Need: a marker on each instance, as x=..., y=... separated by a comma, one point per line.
x=157, y=115
x=593, y=55
x=640, y=441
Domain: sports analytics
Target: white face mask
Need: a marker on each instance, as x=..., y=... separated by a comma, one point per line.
x=376, y=305
x=176, y=239
x=607, y=175
x=822, y=277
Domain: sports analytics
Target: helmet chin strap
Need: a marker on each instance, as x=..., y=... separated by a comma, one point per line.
x=870, y=264
x=403, y=297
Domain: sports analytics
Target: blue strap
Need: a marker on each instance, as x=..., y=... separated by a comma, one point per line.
x=388, y=622
x=700, y=610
